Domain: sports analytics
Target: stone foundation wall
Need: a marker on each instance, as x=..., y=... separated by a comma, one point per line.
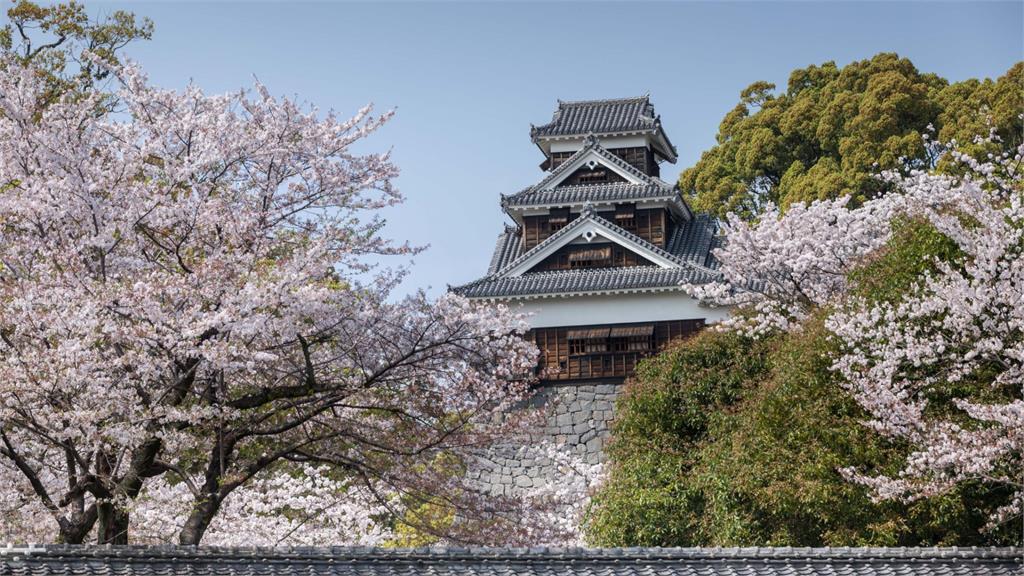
x=577, y=420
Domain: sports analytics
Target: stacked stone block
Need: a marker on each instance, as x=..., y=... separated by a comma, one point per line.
x=577, y=419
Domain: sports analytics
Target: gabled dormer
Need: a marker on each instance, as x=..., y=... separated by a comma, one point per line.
x=592, y=163
x=653, y=224
x=590, y=240
x=638, y=202
x=626, y=127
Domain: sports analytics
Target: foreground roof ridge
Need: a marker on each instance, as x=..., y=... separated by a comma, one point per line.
x=761, y=552
x=171, y=560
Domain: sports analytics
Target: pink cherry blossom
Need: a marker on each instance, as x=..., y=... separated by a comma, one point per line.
x=784, y=264
x=964, y=322
x=191, y=337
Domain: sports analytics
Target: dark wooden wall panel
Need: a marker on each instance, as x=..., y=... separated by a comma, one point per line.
x=651, y=224
x=558, y=362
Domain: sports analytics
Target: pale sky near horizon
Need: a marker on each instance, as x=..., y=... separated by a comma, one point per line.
x=467, y=79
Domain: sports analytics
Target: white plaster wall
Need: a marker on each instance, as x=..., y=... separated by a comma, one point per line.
x=617, y=309
x=606, y=142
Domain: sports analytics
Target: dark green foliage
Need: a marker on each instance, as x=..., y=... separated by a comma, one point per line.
x=725, y=441
x=895, y=269
x=834, y=128
x=714, y=367
x=772, y=466
x=664, y=416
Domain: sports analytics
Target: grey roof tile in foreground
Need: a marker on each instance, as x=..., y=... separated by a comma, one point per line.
x=175, y=561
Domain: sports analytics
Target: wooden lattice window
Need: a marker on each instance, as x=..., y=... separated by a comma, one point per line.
x=625, y=216
x=557, y=219
x=632, y=338
x=591, y=257
x=592, y=177
x=637, y=157
x=557, y=158
x=588, y=341
x=577, y=346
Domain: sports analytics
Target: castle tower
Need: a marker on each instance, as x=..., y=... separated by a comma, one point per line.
x=600, y=246
x=598, y=251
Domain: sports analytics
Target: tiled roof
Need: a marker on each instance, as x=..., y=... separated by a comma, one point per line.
x=716, y=242
x=583, y=281
x=589, y=215
x=600, y=117
x=506, y=250
x=594, y=193
x=694, y=241
x=209, y=561
x=688, y=248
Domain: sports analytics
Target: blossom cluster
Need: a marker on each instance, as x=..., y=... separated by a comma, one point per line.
x=307, y=507
x=962, y=324
x=785, y=264
x=190, y=334
x=961, y=327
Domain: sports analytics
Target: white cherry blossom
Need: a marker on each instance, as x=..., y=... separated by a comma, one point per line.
x=187, y=318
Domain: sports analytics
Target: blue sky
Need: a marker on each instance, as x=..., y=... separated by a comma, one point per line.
x=467, y=79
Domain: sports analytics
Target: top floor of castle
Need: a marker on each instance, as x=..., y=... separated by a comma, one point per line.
x=625, y=127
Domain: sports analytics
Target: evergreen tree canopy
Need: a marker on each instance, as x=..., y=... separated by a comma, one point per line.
x=834, y=129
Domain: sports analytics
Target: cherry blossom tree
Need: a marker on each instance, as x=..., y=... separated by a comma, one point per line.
x=911, y=363
x=781, y=266
x=908, y=362
x=311, y=507
x=187, y=317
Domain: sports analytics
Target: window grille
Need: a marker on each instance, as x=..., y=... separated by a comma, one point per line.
x=588, y=341
x=591, y=257
x=625, y=216
x=558, y=218
x=593, y=177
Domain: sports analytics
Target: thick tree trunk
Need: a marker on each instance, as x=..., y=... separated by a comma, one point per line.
x=71, y=535
x=112, y=524
x=77, y=529
x=197, y=523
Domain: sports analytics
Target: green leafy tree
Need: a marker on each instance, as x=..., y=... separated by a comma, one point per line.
x=663, y=419
x=834, y=128
x=726, y=441
x=57, y=37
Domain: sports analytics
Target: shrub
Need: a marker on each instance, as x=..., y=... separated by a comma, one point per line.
x=726, y=441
